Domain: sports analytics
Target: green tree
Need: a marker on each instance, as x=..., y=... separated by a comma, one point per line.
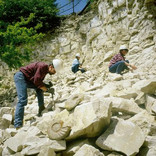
x=16, y=42
x=21, y=24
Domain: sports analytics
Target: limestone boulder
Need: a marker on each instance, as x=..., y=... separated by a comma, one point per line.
x=74, y=146
x=141, y=98
x=144, y=120
x=122, y=136
x=88, y=150
x=124, y=105
x=149, y=87
x=73, y=101
x=150, y=104
x=1, y=149
x=48, y=151
x=146, y=86
x=89, y=119
x=6, y=110
x=33, y=145
x=114, y=77
x=4, y=135
x=16, y=143
x=127, y=93
x=4, y=123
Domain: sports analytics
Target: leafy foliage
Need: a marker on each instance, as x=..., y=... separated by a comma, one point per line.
x=16, y=42
x=44, y=10
x=21, y=24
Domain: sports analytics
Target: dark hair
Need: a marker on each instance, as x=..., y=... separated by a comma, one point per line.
x=123, y=49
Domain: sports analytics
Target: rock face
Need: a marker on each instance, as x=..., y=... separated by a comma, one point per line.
x=96, y=112
x=90, y=119
x=121, y=136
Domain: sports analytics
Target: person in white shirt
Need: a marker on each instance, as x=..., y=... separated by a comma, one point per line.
x=76, y=66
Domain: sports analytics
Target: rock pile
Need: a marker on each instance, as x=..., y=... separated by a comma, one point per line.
x=96, y=113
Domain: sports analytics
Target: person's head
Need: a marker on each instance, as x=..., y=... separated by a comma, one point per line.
x=77, y=56
x=55, y=67
x=123, y=49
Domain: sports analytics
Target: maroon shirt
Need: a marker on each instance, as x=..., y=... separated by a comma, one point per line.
x=35, y=73
x=118, y=57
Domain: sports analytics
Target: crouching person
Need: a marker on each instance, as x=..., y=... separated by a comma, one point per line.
x=32, y=76
x=76, y=66
x=118, y=63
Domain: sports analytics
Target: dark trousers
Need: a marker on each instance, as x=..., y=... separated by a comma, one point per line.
x=21, y=87
x=118, y=67
x=76, y=69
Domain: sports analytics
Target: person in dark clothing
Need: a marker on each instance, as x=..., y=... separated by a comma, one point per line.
x=118, y=63
x=32, y=76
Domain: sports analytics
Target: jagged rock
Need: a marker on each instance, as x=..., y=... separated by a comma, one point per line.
x=11, y=131
x=148, y=148
x=144, y=120
x=97, y=39
x=115, y=154
x=146, y=86
x=4, y=135
x=124, y=105
x=108, y=55
x=150, y=104
x=47, y=151
x=16, y=143
x=115, y=77
x=154, y=108
x=149, y=87
x=4, y=123
x=73, y=147
x=33, y=145
x=90, y=119
x=1, y=149
x=88, y=150
x=122, y=136
x=127, y=93
x=44, y=123
x=140, y=99
x=6, y=110
x=73, y=101
x=7, y=117
x=108, y=90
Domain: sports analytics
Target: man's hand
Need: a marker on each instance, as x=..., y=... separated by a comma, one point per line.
x=133, y=67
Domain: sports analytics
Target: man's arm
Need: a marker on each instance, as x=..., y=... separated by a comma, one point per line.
x=132, y=66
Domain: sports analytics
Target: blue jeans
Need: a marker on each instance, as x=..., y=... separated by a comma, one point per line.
x=76, y=68
x=21, y=88
x=118, y=67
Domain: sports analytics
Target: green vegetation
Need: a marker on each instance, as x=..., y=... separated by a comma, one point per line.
x=22, y=23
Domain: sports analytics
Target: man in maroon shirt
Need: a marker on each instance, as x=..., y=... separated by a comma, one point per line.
x=118, y=62
x=32, y=76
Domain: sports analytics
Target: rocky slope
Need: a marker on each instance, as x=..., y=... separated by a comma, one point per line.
x=96, y=113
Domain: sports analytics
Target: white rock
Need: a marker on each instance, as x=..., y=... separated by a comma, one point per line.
x=90, y=119
x=88, y=150
x=124, y=105
x=150, y=104
x=123, y=136
x=144, y=120
x=16, y=143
